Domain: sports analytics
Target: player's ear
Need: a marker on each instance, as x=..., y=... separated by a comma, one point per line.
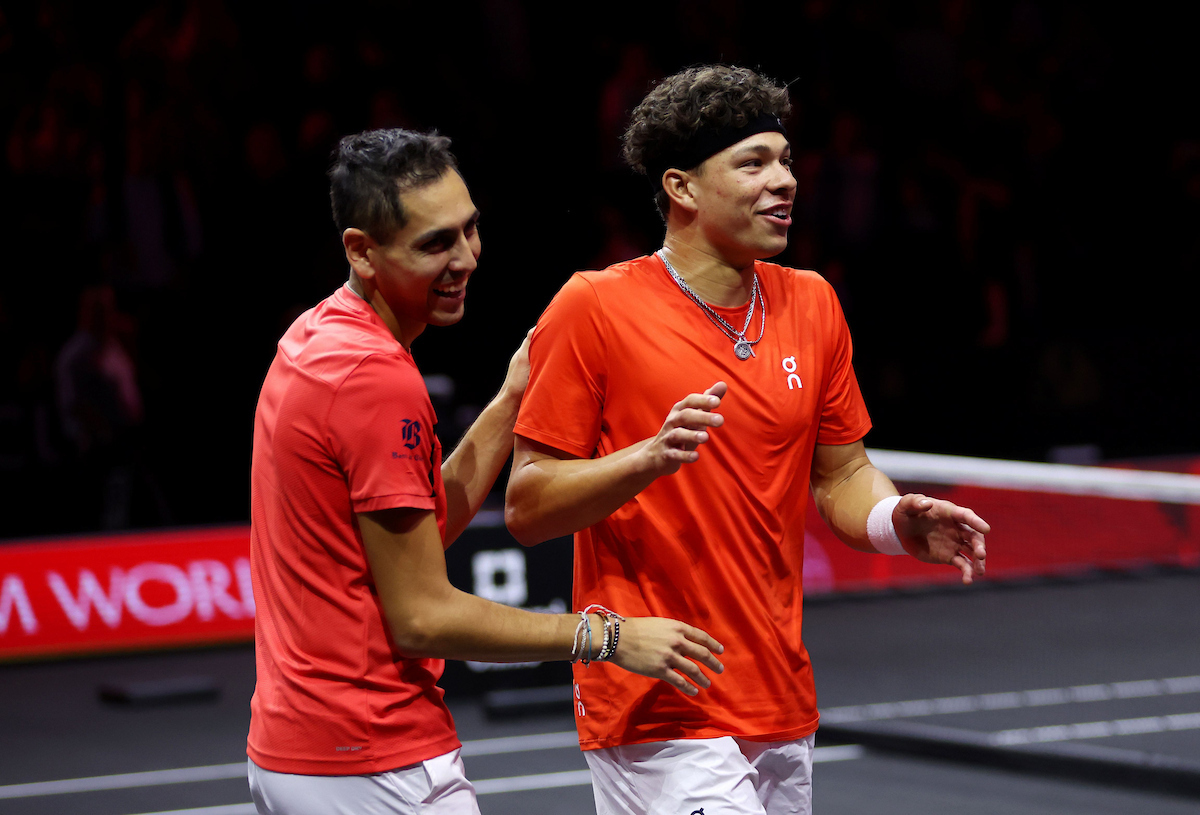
x=677, y=185
x=357, y=243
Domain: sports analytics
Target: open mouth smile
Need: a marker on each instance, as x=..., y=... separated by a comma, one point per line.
x=781, y=214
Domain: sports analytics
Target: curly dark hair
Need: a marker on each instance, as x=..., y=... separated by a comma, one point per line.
x=680, y=106
x=372, y=168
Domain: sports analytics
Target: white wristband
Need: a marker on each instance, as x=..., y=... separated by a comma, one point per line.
x=881, y=532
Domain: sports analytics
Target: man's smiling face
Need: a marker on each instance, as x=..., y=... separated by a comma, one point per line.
x=422, y=272
x=744, y=197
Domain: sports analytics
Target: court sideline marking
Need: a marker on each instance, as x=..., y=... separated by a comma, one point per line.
x=237, y=769
x=1014, y=699
x=1096, y=730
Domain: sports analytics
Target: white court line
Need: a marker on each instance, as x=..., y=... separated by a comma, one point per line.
x=1097, y=730
x=544, y=781
x=215, y=772
x=1015, y=699
x=478, y=747
x=228, y=809
x=153, y=778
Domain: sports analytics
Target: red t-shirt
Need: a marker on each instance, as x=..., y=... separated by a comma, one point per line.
x=344, y=425
x=719, y=544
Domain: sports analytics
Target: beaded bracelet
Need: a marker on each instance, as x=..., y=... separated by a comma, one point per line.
x=612, y=630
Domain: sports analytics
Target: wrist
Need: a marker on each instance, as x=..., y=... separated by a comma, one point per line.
x=881, y=529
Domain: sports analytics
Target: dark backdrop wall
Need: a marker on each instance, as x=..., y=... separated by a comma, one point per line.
x=1005, y=195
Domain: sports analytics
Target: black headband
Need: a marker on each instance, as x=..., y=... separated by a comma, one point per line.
x=708, y=142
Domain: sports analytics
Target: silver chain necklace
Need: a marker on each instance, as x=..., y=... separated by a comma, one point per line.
x=742, y=347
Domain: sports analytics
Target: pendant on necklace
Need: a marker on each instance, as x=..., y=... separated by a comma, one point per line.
x=743, y=349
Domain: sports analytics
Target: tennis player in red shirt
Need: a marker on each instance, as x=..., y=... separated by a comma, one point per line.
x=352, y=506
x=701, y=516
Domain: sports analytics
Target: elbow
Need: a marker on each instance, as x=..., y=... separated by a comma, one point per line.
x=415, y=637
x=520, y=515
x=520, y=525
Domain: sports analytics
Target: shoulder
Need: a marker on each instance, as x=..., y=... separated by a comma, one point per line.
x=618, y=280
x=804, y=280
x=339, y=338
x=598, y=292
x=802, y=288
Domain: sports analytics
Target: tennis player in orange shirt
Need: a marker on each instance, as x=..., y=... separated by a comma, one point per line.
x=352, y=506
x=701, y=516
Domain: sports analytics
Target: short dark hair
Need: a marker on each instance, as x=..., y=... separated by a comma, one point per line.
x=372, y=168
x=704, y=97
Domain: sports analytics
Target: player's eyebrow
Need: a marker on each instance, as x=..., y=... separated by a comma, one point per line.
x=758, y=149
x=445, y=233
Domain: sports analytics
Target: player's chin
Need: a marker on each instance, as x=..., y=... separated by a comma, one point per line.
x=772, y=245
x=444, y=317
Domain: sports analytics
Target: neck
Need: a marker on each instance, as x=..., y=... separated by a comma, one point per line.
x=713, y=278
x=403, y=330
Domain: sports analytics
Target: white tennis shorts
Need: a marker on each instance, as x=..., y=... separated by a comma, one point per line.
x=724, y=776
x=437, y=786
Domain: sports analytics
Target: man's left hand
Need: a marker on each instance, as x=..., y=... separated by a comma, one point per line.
x=936, y=531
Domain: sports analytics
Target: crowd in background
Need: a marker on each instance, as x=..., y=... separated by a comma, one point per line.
x=1006, y=197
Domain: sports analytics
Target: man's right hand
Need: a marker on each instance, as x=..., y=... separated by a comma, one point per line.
x=685, y=429
x=668, y=650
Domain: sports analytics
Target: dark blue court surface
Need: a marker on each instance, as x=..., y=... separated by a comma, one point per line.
x=946, y=681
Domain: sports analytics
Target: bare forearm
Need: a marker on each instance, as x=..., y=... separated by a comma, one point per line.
x=428, y=617
x=462, y=626
x=471, y=470
x=551, y=497
x=551, y=493
x=845, y=503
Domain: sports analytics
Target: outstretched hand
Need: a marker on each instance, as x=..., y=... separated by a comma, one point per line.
x=668, y=650
x=685, y=429
x=936, y=531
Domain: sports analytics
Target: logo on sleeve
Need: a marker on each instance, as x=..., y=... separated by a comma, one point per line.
x=411, y=433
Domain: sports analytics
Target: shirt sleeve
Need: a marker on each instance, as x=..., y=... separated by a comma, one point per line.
x=381, y=425
x=568, y=366
x=844, y=417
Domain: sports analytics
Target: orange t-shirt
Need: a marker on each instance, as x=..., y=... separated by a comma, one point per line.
x=720, y=543
x=344, y=425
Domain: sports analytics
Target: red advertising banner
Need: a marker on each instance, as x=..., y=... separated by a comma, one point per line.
x=124, y=592
x=179, y=588
x=1033, y=533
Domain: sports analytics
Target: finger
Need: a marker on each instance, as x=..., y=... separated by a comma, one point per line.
x=967, y=517
x=676, y=679
x=718, y=390
x=685, y=439
x=693, y=417
x=702, y=638
x=705, y=653
x=704, y=656
x=979, y=551
x=703, y=401
x=691, y=671
x=963, y=564
x=914, y=504
x=680, y=455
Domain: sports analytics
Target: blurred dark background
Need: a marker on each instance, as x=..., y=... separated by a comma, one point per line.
x=1006, y=196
